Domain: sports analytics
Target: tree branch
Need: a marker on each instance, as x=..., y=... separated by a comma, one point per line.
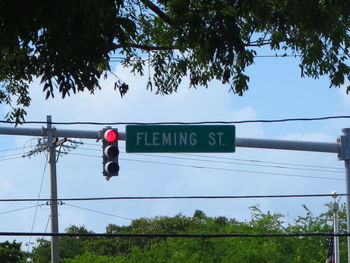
x=157, y=11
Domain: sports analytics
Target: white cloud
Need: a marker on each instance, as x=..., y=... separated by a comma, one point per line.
x=81, y=176
x=139, y=104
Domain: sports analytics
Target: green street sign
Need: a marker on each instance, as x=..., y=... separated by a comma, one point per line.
x=180, y=138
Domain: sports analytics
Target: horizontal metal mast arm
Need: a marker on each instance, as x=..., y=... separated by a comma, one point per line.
x=84, y=134
x=288, y=145
x=240, y=142
x=23, y=131
x=77, y=134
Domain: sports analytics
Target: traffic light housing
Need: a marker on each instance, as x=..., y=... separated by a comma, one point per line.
x=110, y=152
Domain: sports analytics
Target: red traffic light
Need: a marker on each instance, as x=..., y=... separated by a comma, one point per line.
x=111, y=136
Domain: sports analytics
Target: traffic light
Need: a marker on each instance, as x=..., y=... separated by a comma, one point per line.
x=110, y=152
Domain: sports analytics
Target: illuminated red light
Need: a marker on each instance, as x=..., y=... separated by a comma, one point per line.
x=111, y=135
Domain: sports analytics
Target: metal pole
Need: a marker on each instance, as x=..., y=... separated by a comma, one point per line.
x=344, y=155
x=288, y=145
x=347, y=191
x=335, y=228
x=54, y=209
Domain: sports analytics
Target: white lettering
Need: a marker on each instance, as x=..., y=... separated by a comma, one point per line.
x=174, y=138
x=183, y=139
x=212, y=140
x=193, y=139
x=220, y=138
x=166, y=139
x=138, y=137
x=147, y=141
x=155, y=138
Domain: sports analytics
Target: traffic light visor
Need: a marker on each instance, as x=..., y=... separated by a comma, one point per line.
x=111, y=136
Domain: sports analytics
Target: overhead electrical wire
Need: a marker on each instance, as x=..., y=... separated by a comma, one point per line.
x=11, y=155
x=268, y=162
x=114, y=59
x=18, y=209
x=171, y=235
x=13, y=149
x=18, y=156
x=186, y=123
x=217, y=168
x=5, y=157
x=225, y=158
x=235, y=163
x=235, y=170
x=120, y=59
x=232, y=162
x=47, y=223
x=99, y=212
x=170, y=197
x=12, y=158
x=39, y=194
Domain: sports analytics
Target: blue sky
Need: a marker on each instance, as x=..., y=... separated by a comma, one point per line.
x=276, y=91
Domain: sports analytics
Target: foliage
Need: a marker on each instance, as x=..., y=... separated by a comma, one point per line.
x=210, y=250
x=10, y=252
x=68, y=45
x=69, y=246
x=42, y=252
x=88, y=257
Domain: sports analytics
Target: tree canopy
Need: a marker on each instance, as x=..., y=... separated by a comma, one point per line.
x=69, y=45
x=10, y=252
x=311, y=249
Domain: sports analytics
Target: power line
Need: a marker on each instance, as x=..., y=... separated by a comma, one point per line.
x=218, y=168
x=268, y=162
x=13, y=149
x=186, y=123
x=39, y=194
x=99, y=212
x=47, y=223
x=171, y=197
x=231, y=162
x=11, y=155
x=7, y=159
x=237, y=170
x=224, y=158
x=19, y=209
x=235, y=163
x=169, y=235
x=119, y=59
x=14, y=155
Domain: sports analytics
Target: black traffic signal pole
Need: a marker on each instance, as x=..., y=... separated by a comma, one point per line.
x=341, y=147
